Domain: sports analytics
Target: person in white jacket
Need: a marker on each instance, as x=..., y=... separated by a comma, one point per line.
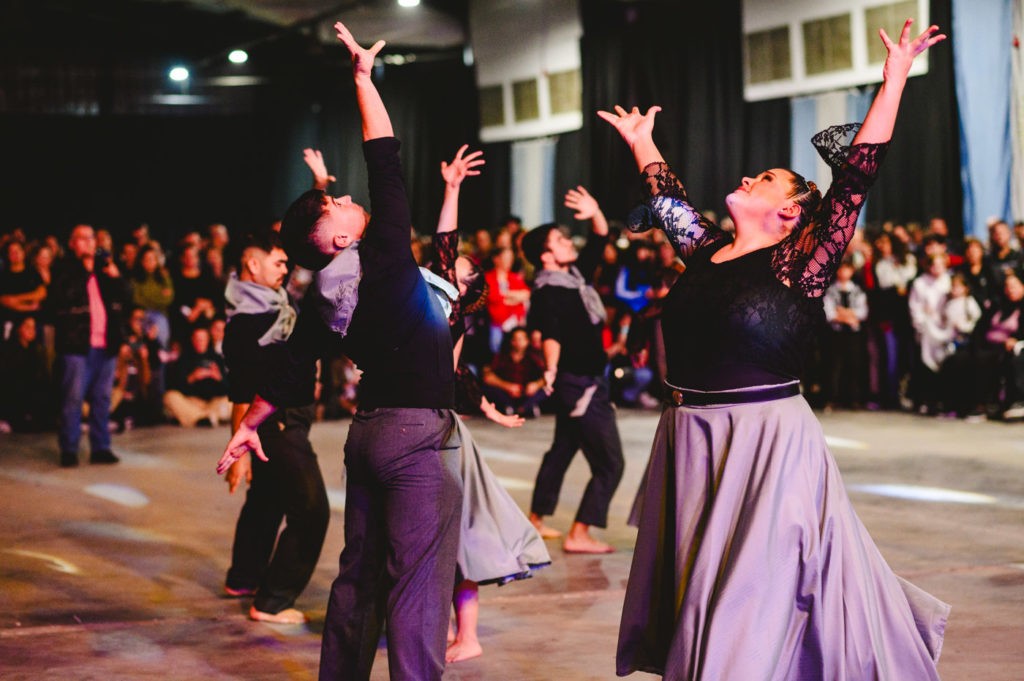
x=927, y=302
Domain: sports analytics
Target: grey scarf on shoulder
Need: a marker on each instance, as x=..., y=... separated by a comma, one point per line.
x=574, y=280
x=336, y=289
x=245, y=297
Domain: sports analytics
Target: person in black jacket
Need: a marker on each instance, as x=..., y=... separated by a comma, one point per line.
x=88, y=298
x=571, y=317
x=289, y=486
x=403, y=492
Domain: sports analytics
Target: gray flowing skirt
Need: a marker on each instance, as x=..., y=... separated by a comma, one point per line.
x=751, y=563
x=497, y=542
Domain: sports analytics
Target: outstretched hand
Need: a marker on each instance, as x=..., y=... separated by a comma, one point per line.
x=362, y=59
x=244, y=440
x=901, y=54
x=632, y=125
x=461, y=166
x=581, y=201
x=315, y=161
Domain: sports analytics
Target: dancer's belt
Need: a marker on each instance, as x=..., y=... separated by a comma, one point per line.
x=683, y=397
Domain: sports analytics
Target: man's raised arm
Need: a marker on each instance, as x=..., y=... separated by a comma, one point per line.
x=376, y=122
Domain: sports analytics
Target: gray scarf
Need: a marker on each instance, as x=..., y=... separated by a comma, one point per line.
x=442, y=288
x=574, y=280
x=245, y=297
x=336, y=288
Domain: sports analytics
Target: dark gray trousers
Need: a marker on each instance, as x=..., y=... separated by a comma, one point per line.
x=595, y=432
x=402, y=505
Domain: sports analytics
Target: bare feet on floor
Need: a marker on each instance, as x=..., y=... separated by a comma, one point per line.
x=580, y=541
x=463, y=650
x=543, y=530
x=288, y=616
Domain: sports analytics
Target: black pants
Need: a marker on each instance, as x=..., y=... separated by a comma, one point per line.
x=846, y=366
x=402, y=507
x=591, y=429
x=289, y=487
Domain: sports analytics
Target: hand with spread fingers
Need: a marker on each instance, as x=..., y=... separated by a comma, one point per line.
x=462, y=166
x=901, y=54
x=362, y=59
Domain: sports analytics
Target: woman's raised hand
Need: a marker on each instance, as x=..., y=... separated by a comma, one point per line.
x=901, y=54
x=632, y=125
x=462, y=166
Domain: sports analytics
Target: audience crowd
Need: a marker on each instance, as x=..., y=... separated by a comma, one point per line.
x=915, y=321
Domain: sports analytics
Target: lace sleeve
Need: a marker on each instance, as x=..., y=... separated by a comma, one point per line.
x=808, y=259
x=666, y=206
x=446, y=245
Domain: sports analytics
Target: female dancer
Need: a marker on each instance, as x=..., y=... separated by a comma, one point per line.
x=750, y=562
x=497, y=544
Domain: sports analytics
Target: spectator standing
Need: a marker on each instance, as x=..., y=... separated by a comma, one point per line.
x=153, y=291
x=846, y=309
x=88, y=297
x=890, y=338
x=927, y=302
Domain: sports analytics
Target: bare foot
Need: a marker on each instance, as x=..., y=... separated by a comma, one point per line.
x=238, y=593
x=463, y=650
x=586, y=544
x=451, y=634
x=288, y=616
x=543, y=530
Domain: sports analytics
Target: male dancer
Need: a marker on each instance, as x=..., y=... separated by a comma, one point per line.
x=570, y=316
x=290, y=485
x=403, y=495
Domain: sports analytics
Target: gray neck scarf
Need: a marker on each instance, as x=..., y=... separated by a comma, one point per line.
x=336, y=288
x=443, y=289
x=574, y=280
x=245, y=297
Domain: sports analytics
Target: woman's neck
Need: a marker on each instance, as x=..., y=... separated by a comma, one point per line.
x=746, y=241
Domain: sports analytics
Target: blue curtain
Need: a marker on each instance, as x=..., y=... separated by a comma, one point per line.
x=982, y=66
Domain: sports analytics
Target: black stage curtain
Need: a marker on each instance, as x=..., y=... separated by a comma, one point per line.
x=641, y=54
x=920, y=178
x=176, y=174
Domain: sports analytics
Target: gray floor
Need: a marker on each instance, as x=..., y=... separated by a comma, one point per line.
x=115, y=572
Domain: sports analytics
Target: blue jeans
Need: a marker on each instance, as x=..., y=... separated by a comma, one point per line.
x=85, y=378
x=403, y=503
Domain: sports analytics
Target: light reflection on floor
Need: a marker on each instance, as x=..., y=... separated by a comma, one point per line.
x=119, y=494
x=916, y=493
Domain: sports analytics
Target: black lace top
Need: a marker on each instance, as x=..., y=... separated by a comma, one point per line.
x=468, y=390
x=748, y=321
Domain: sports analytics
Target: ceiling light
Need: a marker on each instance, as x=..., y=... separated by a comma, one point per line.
x=238, y=56
x=179, y=74
x=408, y=3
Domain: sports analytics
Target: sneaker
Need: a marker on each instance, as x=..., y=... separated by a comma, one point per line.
x=1015, y=411
x=103, y=456
x=68, y=459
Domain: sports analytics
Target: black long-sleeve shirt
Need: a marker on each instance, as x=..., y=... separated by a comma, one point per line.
x=399, y=335
x=560, y=315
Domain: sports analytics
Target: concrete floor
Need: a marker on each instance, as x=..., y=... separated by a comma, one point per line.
x=116, y=572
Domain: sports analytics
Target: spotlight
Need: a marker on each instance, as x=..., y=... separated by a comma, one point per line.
x=238, y=56
x=408, y=3
x=179, y=74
